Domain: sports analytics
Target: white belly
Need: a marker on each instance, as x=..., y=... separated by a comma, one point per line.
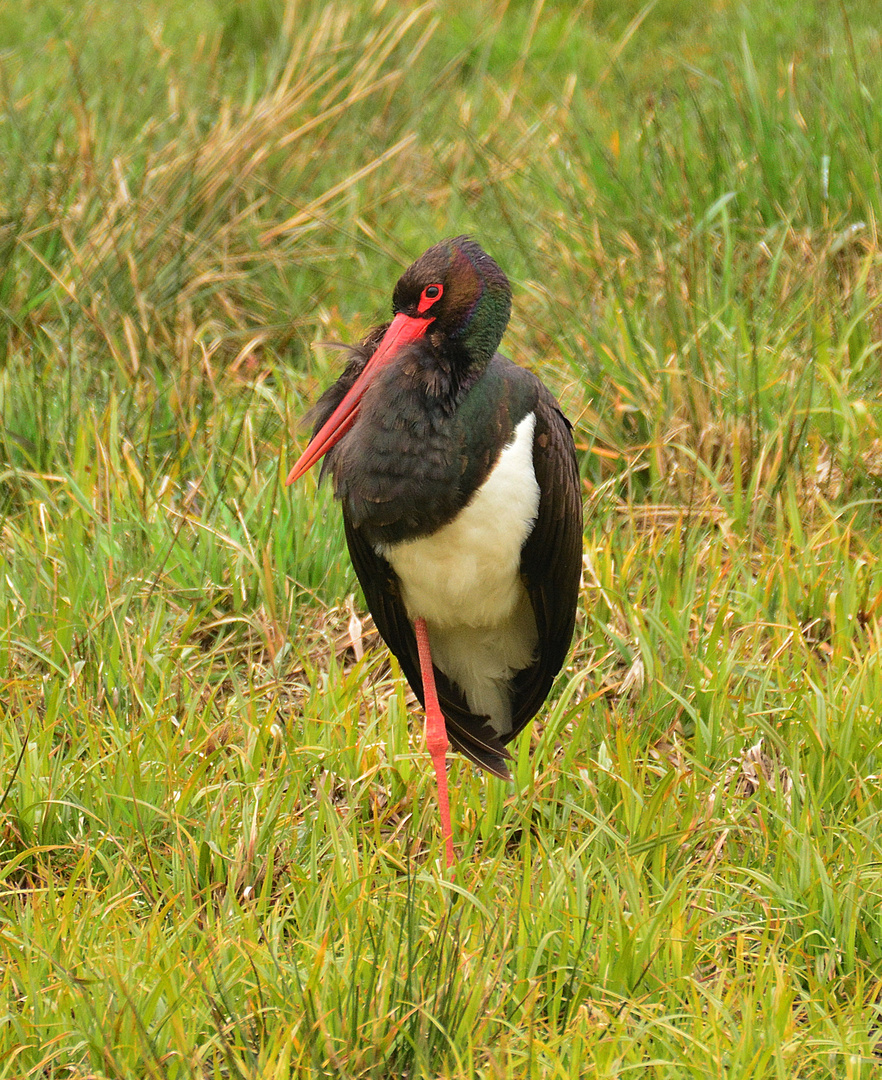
x=464, y=580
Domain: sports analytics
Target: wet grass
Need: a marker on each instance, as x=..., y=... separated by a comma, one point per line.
x=218, y=848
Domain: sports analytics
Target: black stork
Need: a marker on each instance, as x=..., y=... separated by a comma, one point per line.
x=461, y=505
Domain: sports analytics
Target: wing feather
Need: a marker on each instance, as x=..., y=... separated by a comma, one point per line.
x=551, y=560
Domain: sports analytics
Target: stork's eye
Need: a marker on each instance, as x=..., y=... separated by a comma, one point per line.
x=429, y=296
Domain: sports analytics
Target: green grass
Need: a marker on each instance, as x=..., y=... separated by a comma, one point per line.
x=219, y=854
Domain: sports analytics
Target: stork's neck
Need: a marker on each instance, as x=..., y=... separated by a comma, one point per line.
x=447, y=373
x=421, y=446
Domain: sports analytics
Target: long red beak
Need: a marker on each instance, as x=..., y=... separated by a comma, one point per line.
x=403, y=330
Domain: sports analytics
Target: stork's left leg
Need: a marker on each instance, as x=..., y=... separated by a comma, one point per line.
x=436, y=734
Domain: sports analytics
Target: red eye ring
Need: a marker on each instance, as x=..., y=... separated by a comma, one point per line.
x=430, y=295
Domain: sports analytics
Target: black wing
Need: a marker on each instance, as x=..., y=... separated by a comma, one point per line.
x=551, y=561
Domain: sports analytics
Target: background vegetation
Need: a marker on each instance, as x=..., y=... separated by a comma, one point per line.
x=218, y=848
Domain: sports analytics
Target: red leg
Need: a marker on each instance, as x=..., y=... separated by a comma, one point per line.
x=436, y=734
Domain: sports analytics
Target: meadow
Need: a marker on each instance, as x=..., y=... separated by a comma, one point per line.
x=219, y=853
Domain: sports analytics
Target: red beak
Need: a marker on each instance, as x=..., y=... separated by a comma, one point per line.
x=403, y=330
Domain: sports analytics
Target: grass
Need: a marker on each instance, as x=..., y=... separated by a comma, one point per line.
x=218, y=848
